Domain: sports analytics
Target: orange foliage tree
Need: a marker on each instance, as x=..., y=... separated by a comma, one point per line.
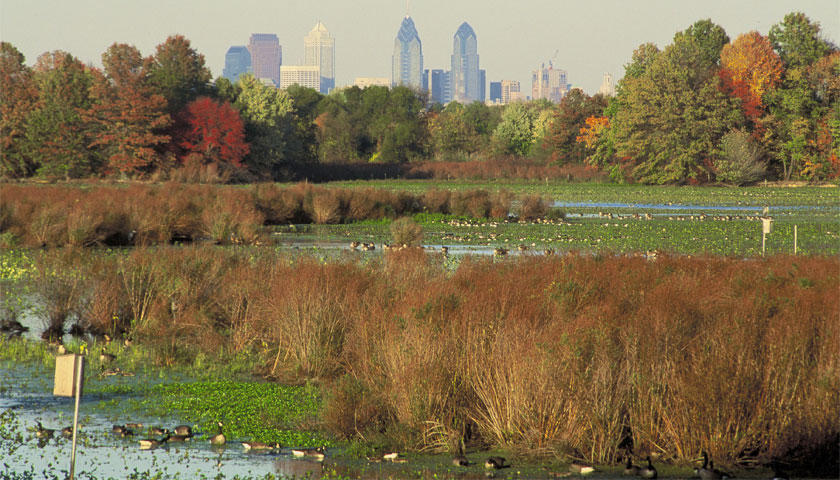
x=749, y=69
x=590, y=134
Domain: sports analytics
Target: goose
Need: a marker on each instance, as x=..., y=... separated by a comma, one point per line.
x=159, y=431
x=219, y=438
x=581, y=468
x=499, y=251
x=495, y=462
x=460, y=460
x=629, y=468
x=258, y=446
x=118, y=429
x=67, y=432
x=648, y=471
x=444, y=249
x=42, y=432
x=707, y=471
x=185, y=430
x=391, y=456
x=354, y=245
x=316, y=453
x=106, y=357
x=179, y=438
x=149, y=443
x=134, y=425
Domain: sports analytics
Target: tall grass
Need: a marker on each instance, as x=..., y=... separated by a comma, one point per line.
x=578, y=355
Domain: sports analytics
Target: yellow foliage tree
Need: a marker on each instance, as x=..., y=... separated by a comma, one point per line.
x=750, y=68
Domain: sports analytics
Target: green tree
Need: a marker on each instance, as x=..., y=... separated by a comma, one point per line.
x=56, y=134
x=797, y=40
x=670, y=119
x=708, y=39
x=178, y=73
x=17, y=98
x=643, y=56
x=566, y=122
x=515, y=133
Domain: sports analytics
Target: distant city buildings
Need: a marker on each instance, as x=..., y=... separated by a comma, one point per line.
x=266, y=56
x=495, y=92
x=237, y=62
x=510, y=91
x=607, y=86
x=407, y=61
x=464, y=76
x=308, y=76
x=436, y=83
x=549, y=83
x=319, y=50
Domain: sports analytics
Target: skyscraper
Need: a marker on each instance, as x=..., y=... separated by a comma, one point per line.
x=465, y=71
x=607, y=86
x=407, y=62
x=237, y=62
x=510, y=91
x=549, y=83
x=266, y=56
x=495, y=92
x=437, y=84
x=319, y=49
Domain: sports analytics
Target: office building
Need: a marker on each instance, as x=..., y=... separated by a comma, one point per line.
x=464, y=74
x=407, y=61
x=364, y=82
x=266, y=56
x=510, y=91
x=607, y=86
x=482, y=85
x=549, y=83
x=436, y=83
x=308, y=76
x=495, y=92
x=319, y=49
x=237, y=62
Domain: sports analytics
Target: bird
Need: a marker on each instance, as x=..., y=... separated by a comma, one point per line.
x=106, y=357
x=118, y=429
x=581, y=468
x=149, y=443
x=648, y=471
x=62, y=349
x=354, y=244
x=391, y=456
x=67, y=432
x=183, y=430
x=179, y=438
x=219, y=438
x=629, y=468
x=499, y=251
x=495, y=462
x=134, y=425
x=42, y=432
x=159, y=431
x=260, y=446
x=316, y=453
x=707, y=471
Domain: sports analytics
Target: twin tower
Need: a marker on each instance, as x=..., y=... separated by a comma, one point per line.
x=464, y=83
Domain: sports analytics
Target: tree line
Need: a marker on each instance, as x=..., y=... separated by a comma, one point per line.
x=703, y=109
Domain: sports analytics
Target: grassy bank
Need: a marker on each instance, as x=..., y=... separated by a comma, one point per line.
x=574, y=355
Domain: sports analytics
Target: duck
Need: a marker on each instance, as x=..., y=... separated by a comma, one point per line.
x=42, y=432
x=149, y=443
x=219, y=438
x=495, y=462
x=183, y=430
x=581, y=468
x=260, y=446
x=316, y=453
x=648, y=471
x=629, y=468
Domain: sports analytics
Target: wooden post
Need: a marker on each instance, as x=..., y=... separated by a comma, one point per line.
x=794, y=239
x=69, y=382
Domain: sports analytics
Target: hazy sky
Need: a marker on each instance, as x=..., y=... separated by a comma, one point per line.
x=585, y=38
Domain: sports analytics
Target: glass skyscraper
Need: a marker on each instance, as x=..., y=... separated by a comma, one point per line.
x=466, y=79
x=319, y=49
x=266, y=56
x=237, y=62
x=407, y=62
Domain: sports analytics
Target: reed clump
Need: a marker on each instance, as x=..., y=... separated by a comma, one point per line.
x=580, y=355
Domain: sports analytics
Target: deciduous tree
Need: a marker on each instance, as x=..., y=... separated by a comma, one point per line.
x=797, y=40
x=17, y=98
x=214, y=131
x=749, y=69
x=178, y=73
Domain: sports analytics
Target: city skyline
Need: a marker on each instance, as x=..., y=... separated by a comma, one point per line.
x=589, y=41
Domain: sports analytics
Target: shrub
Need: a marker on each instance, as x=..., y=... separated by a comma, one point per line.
x=405, y=231
x=532, y=207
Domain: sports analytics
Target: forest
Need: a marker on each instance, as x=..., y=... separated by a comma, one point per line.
x=704, y=109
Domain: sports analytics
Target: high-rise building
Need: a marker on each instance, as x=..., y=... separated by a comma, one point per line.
x=482, y=85
x=495, y=92
x=364, y=82
x=319, y=49
x=308, y=76
x=407, y=62
x=465, y=72
x=266, y=56
x=436, y=82
x=549, y=83
x=237, y=62
x=510, y=91
x=607, y=86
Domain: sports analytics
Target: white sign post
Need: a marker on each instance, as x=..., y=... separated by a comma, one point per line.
x=766, y=227
x=69, y=381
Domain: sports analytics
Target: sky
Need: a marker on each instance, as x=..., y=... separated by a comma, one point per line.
x=585, y=38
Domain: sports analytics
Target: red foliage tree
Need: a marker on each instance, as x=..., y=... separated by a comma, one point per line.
x=213, y=130
x=750, y=68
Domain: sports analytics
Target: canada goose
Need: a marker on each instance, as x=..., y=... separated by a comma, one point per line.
x=444, y=249
x=260, y=446
x=67, y=432
x=42, y=432
x=707, y=471
x=629, y=468
x=183, y=430
x=179, y=438
x=354, y=245
x=219, y=438
x=159, y=431
x=118, y=429
x=149, y=443
x=499, y=251
x=128, y=341
x=495, y=462
x=133, y=425
x=648, y=471
x=581, y=468
x=106, y=357
x=316, y=453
